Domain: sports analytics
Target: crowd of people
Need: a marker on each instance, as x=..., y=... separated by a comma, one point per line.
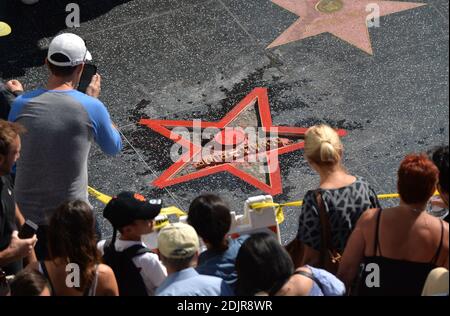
x=346, y=244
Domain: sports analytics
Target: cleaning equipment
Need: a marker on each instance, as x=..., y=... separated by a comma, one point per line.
x=263, y=219
x=5, y=29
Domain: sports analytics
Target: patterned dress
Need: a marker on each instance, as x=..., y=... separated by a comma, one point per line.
x=344, y=206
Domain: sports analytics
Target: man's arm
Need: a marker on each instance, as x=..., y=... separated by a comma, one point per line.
x=106, y=134
x=8, y=93
x=17, y=249
x=354, y=250
x=20, y=220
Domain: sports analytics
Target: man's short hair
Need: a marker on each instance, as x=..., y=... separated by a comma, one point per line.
x=177, y=264
x=8, y=133
x=61, y=71
x=440, y=159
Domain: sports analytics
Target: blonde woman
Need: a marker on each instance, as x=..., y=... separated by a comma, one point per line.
x=342, y=196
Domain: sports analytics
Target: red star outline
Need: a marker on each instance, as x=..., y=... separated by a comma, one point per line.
x=261, y=96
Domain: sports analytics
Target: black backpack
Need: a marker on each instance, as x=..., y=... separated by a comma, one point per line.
x=127, y=274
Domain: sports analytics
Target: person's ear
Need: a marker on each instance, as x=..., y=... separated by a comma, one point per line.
x=152, y=224
x=80, y=68
x=2, y=159
x=194, y=260
x=46, y=62
x=126, y=229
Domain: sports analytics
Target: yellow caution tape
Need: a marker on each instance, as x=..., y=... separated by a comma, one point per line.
x=5, y=29
x=396, y=196
x=99, y=196
x=279, y=207
x=160, y=223
x=172, y=210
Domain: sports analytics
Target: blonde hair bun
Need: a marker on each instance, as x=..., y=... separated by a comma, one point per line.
x=323, y=145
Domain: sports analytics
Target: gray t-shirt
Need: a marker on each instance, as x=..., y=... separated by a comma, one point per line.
x=60, y=127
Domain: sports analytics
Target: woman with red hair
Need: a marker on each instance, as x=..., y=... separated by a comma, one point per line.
x=398, y=246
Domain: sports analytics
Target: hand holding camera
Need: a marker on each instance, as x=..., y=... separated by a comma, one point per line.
x=21, y=248
x=90, y=81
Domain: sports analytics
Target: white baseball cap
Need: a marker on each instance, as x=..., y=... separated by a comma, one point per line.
x=70, y=45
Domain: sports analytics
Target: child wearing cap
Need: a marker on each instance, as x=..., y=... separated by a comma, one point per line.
x=133, y=216
x=178, y=246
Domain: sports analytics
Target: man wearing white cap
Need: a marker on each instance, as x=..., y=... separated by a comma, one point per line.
x=61, y=124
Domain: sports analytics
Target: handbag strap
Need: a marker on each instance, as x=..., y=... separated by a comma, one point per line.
x=312, y=277
x=326, y=243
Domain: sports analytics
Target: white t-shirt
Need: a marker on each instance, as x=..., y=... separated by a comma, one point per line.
x=152, y=270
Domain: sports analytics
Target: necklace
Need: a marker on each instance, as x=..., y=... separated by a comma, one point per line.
x=415, y=210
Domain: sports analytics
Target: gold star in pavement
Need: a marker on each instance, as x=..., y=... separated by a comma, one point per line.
x=346, y=19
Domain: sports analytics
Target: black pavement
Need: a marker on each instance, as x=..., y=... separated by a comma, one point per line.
x=180, y=60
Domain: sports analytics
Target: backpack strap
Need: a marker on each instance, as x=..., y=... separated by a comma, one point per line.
x=130, y=252
x=135, y=251
x=128, y=276
x=107, y=245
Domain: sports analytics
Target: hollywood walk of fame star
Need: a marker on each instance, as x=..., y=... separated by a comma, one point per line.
x=345, y=19
x=252, y=112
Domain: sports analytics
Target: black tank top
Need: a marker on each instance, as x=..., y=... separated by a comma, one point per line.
x=396, y=277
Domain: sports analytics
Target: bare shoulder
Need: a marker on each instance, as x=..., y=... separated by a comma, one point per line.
x=368, y=217
x=107, y=285
x=104, y=271
x=304, y=283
